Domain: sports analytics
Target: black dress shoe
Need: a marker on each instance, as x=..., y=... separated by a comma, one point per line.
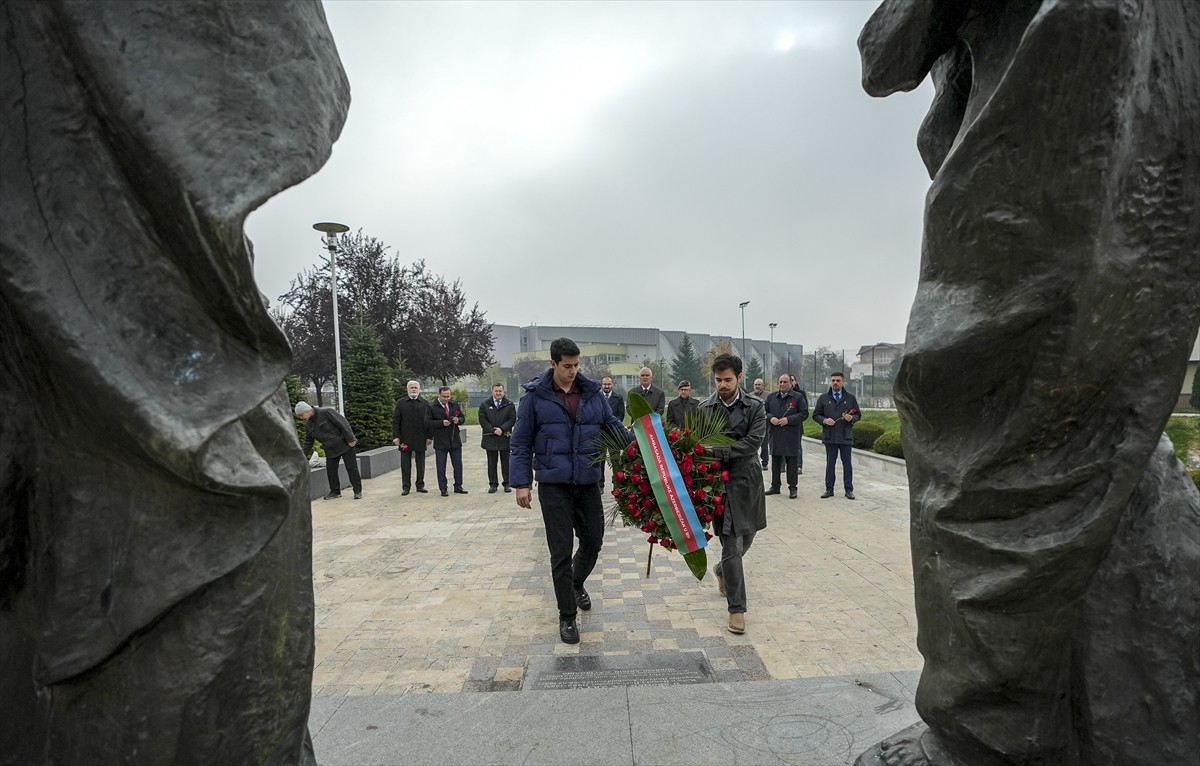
x=567, y=630
x=583, y=599
x=422, y=490
x=792, y=495
x=405, y=492
x=460, y=492
x=772, y=491
x=445, y=493
x=491, y=490
x=849, y=495
x=508, y=489
x=828, y=493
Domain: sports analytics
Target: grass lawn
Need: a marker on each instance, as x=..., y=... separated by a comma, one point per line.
x=1185, y=433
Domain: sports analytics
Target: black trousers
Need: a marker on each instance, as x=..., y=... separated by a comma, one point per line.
x=406, y=464
x=777, y=464
x=571, y=510
x=497, y=456
x=763, y=451
x=350, y=458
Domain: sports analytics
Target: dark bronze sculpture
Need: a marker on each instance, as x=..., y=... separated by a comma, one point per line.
x=1055, y=536
x=156, y=598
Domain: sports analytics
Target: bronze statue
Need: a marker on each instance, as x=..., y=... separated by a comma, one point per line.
x=156, y=599
x=1055, y=535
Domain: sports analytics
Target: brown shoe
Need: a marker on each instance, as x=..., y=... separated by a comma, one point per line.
x=720, y=583
x=737, y=622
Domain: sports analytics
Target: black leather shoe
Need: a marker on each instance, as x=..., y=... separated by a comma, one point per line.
x=583, y=599
x=567, y=630
x=508, y=489
x=792, y=495
x=491, y=490
x=333, y=495
x=799, y=471
x=405, y=492
x=828, y=493
x=460, y=492
x=422, y=490
x=772, y=491
x=445, y=493
x=849, y=495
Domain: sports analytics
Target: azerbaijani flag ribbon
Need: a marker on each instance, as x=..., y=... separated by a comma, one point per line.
x=669, y=489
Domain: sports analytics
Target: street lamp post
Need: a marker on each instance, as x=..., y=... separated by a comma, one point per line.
x=772, y=325
x=743, y=306
x=331, y=230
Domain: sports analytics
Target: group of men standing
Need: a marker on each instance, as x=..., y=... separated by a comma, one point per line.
x=553, y=437
x=417, y=423
x=836, y=410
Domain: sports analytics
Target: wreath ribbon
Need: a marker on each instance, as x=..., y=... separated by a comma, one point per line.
x=667, y=482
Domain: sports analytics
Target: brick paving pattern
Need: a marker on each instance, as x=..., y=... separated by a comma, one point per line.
x=425, y=593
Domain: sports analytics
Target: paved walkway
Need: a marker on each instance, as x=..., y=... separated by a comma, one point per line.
x=426, y=603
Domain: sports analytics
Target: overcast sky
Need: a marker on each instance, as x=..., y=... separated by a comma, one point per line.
x=638, y=164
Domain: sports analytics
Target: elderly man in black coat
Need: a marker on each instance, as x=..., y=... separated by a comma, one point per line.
x=410, y=432
x=497, y=416
x=786, y=413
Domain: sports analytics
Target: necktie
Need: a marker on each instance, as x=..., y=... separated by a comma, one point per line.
x=446, y=407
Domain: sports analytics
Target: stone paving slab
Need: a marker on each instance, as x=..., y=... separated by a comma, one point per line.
x=424, y=594
x=808, y=722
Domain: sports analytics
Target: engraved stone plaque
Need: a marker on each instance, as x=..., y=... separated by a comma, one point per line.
x=656, y=669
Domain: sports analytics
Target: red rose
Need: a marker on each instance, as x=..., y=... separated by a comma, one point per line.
x=644, y=487
x=404, y=448
x=631, y=450
x=616, y=493
x=708, y=535
x=718, y=500
x=652, y=539
x=720, y=511
x=673, y=437
x=618, y=476
x=665, y=543
x=724, y=475
x=687, y=480
x=457, y=413
x=700, y=495
x=647, y=502
x=632, y=497
x=698, y=449
x=635, y=513
x=631, y=507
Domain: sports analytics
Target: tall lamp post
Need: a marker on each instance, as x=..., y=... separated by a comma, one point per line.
x=331, y=230
x=743, y=306
x=772, y=325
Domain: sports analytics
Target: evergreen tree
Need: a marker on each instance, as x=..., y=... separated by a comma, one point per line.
x=367, y=379
x=754, y=370
x=687, y=365
x=295, y=391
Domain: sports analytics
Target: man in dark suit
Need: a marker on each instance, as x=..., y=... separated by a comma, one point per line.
x=445, y=417
x=616, y=402
x=497, y=416
x=837, y=412
x=410, y=432
x=680, y=406
x=654, y=396
x=786, y=413
x=760, y=390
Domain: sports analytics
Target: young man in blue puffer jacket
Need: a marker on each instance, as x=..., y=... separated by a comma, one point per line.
x=555, y=440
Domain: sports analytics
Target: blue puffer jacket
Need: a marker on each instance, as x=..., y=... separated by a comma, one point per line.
x=547, y=445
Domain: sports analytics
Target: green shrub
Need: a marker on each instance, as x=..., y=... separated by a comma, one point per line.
x=865, y=434
x=889, y=444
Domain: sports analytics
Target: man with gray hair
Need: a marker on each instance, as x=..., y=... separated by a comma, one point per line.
x=330, y=427
x=654, y=396
x=410, y=432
